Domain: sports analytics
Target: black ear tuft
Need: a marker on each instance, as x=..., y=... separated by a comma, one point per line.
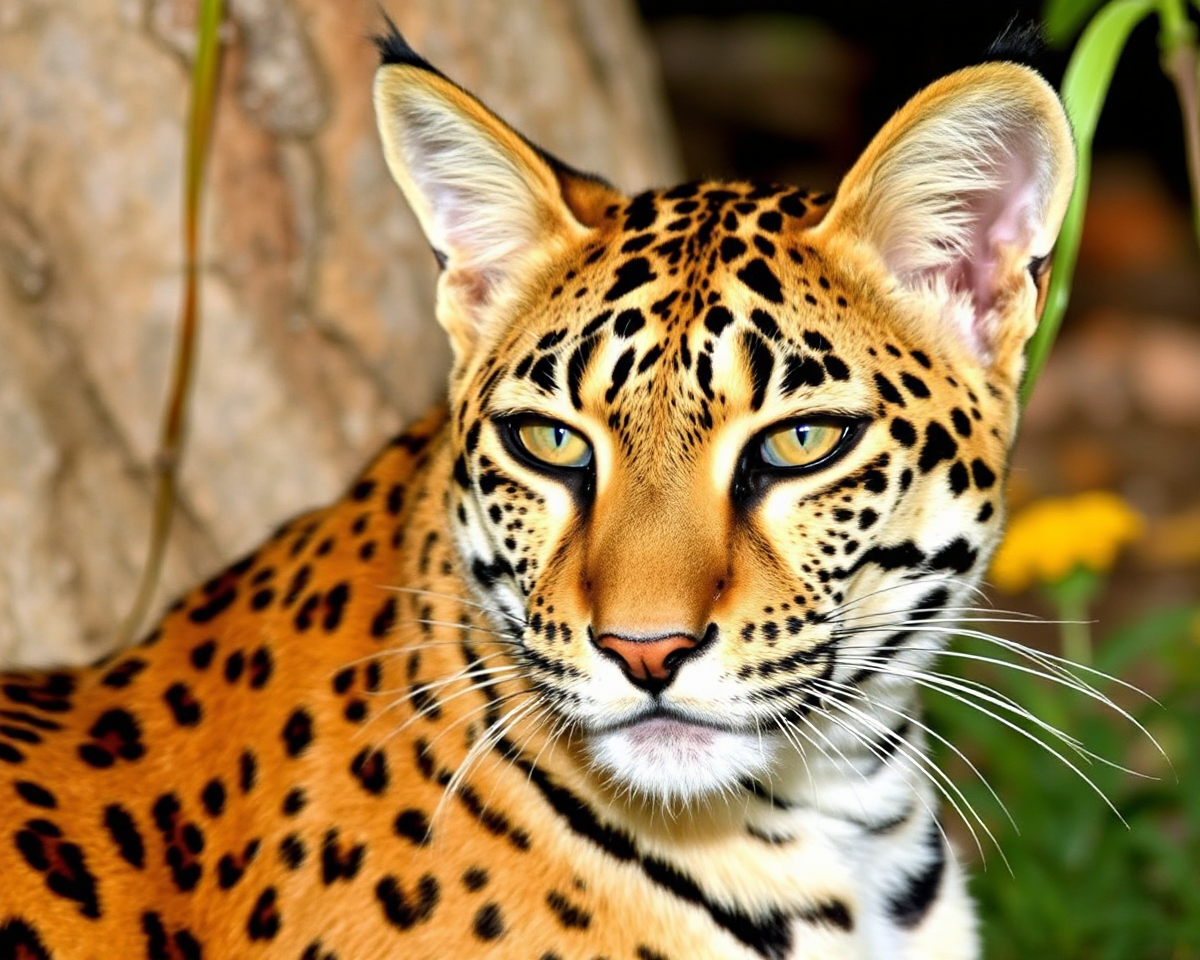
x=394, y=49
x=1021, y=43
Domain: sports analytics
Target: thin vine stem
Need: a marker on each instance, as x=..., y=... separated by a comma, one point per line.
x=205, y=71
x=1177, y=40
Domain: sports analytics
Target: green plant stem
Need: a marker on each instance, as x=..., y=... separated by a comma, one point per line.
x=1076, y=632
x=1084, y=89
x=205, y=71
x=1177, y=40
x=1072, y=597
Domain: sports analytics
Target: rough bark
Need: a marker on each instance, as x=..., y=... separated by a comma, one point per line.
x=318, y=333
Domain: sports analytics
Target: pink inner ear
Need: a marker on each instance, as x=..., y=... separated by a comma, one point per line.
x=999, y=224
x=1003, y=218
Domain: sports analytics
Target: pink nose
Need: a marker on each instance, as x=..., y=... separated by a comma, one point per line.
x=649, y=664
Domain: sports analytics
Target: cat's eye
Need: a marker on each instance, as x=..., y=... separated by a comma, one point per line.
x=552, y=443
x=791, y=448
x=800, y=444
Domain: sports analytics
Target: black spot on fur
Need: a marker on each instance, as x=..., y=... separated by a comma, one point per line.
x=836, y=368
x=19, y=941
x=335, y=606
x=765, y=323
x=230, y=868
x=35, y=795
x=292, y=851
x=939, y=446
x=405, y=911
x=213, y=798
x=982, y=474
x=903, y=432
x=413, y=825
x=184, y=707
x=264, y=919
x=959, y=479
x=718, y=319
x=888, y=390
x=338, y=864
x=576, y=368
x=123, y=673
x=298, y=732
x=295, y=801
x=631, y=274
x=114, y=734
x=628, y=322
x=641, y=212
x=261, y=667
x=247, y=771
x=801, y=372
x=62, y=863
x=489, y=922
x=124, y=832
x=369, y=767
x=909, y=904
x=384, y=619
x=915, y=385
x=214, y=607
x=183, y=842
x=620, y=374
x=704, y=374
x=958, y=556
x=569, y=915
x=542, y=373
x=759, y=278
x=179, y=946
x=731, y=249
x=761, y=362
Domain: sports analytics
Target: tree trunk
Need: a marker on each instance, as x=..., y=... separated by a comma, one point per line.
x=318, y=336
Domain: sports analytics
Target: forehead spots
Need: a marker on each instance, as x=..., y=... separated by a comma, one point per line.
x=543, y=372
x=628, y=322
x=762, y=280
x=760, y=361
x=717, y=320
x=732, y=248
x=801, y=372
x=630, y=275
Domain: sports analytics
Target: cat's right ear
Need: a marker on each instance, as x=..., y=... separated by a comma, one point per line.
x=494, y=208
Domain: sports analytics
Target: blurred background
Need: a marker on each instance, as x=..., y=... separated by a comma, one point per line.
x=318, y=341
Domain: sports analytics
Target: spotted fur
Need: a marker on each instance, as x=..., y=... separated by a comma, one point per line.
x=438, y=718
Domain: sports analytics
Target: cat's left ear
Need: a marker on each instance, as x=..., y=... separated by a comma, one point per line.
x=959, y=200
x=494, y=208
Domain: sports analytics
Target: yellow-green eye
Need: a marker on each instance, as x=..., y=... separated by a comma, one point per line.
x=801, y=444
x=554, y=444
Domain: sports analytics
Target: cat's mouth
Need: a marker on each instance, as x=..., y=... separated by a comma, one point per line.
x=660, y=721
x=677, y=755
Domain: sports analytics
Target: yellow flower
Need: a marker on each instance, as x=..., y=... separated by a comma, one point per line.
x=1050, y=538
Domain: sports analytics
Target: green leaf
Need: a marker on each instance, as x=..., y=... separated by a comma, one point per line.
x=1062, y=19
x=1085, y=86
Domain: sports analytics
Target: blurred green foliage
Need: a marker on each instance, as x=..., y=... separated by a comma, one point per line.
x=1081, y=884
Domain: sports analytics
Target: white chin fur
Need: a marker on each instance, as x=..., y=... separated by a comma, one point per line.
x=674, y=762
